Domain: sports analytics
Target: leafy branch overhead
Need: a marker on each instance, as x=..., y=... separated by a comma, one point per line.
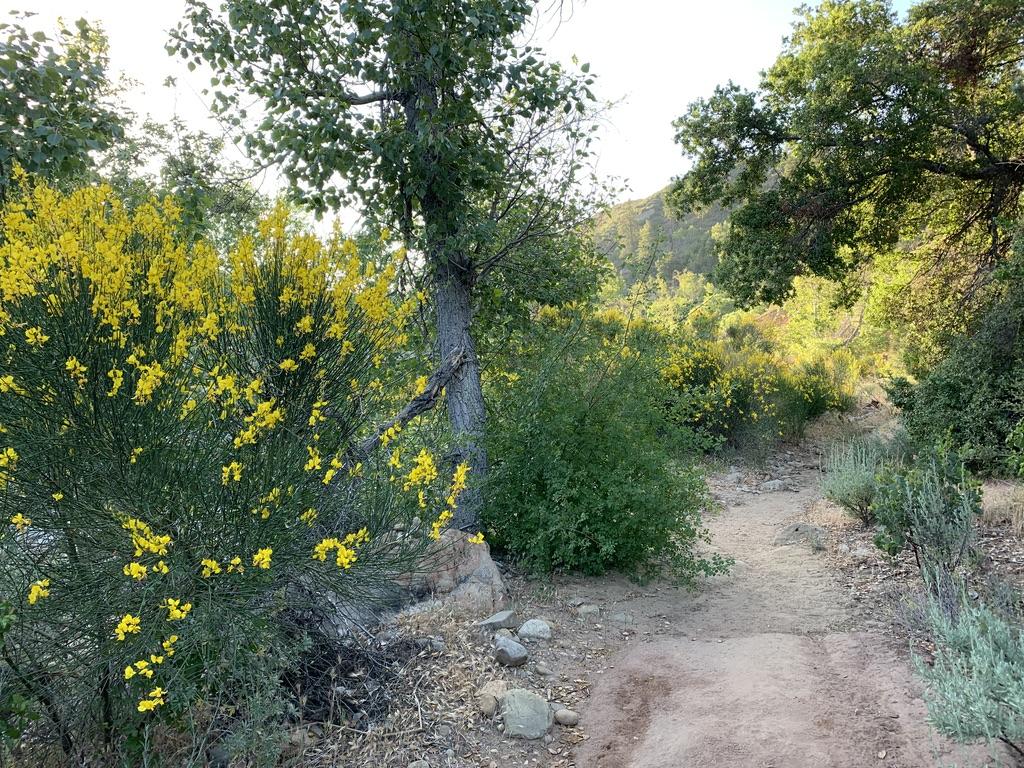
x=866, y=132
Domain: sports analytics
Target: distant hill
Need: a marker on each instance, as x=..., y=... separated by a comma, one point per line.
x=629, y=232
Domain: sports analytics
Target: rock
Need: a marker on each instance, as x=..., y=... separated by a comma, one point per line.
x=444, y=731
x=490, y=696
x=526, y=714
x=567, y=717
x=543, y=669
x=735, y=477
x=431, y=644
x=588, y=610
x=510, y=653
x=500, y=620
x=419, y=764
x=503, y=632
x=772, y=486
x=535, y=629
x=799, y=532
x=461, y=573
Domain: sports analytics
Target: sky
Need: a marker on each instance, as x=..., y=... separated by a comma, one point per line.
x=651, y=57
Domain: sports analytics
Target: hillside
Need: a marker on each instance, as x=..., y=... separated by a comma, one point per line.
x=629, y=232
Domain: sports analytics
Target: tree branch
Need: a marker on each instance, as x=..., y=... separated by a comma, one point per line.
x=420, y=404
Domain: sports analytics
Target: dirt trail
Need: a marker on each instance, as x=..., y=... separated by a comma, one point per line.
x=767, y=667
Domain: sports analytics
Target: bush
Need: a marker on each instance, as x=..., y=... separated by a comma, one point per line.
x=187, y=498
x=975, y=684
x=585, y=478
x=974, y=397
x=851, y=476
x=931, y=508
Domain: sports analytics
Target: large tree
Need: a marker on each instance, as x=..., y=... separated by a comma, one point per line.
x=867, y=134
x=432, y=116
x=58, y=105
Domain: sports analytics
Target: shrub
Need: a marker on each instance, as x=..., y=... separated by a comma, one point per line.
x=850, y=476
x=585, y=478
x=187, y=494
x=975, y=684
x=974, y=397
x=930, y=507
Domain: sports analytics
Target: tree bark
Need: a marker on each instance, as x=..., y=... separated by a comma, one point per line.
x=464, y=393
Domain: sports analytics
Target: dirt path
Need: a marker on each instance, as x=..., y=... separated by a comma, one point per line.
x=767, y=667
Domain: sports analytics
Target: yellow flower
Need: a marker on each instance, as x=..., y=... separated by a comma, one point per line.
x=20, y=521
x=58, y=496
x=136, y=571
x=235, y=565
x=168, y=645
x=421, y=385
x=155, y=698
x=315, y=461
x=424, y=470
x=144, y=539
x=232, y=471
x=210, y=567
x=309, y=516
x=116, y=380
x=76, y=370
x=161, y=567
x=38, y=590
x=176, y=610
x=305, y=325
x=477, y=538
x=150, y=377
x=262, y=558
x=35, y=336
x=308, y=352
x=288, y=365
x=136, y=452
x=129, y=625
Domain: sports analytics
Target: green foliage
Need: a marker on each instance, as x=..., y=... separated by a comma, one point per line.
x=930, y=507
x=866, y=132
x=188, y=496
x=57, y=107
x=974, y=397
x=851, y=476
x=586, y=477
x=975, y=684
x=16, y=711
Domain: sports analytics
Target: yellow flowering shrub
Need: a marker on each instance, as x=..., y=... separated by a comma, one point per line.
x=186, y=492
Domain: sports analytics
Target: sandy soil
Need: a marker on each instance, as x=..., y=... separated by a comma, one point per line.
x=769, y=666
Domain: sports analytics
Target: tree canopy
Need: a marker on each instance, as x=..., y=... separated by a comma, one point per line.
x=866, y=133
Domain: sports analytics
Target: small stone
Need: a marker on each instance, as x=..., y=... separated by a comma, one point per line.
x=576, y=602
x=588, y=610
x=526, y=714
x=621, y=618
x=543, y=669
x=548, y=738
x=772, y=486
x=510, y=653
x=500, y=620
x=419, y=764
x=535, y=629
x=881, y=755
x=799, y=532
x=567, y=717
x=489, y=697
x=444, y=731
x=503, y=632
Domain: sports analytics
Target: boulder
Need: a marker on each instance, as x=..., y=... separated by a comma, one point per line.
x=526, y=715
x=773, y=486
x=510, y=653
x=797, y=533
x=535, y=629
x=462, y=574
x=496, y=621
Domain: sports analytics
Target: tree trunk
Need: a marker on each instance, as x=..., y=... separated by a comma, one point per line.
x=464, y=395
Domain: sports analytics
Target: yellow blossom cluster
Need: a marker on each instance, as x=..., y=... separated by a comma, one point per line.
x=38, y=590
x=346, y=549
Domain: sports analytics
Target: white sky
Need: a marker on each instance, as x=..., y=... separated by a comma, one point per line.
x=652, y=57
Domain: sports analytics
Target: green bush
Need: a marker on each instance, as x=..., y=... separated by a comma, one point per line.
x=930, y=507
x=585, y=476
x=186, y=496
x=974, y=397
x=975, y=685
x=850, y=476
